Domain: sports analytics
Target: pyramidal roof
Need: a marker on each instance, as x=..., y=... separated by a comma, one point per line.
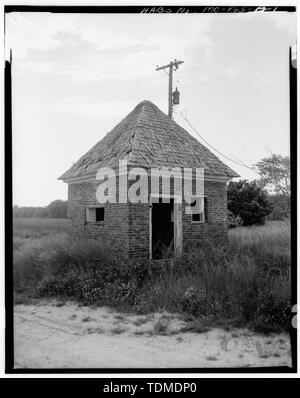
x=147, y=137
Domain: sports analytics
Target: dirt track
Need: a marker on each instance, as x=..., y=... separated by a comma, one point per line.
x=51, y=335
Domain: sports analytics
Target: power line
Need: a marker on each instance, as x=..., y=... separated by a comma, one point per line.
x=216, y=150
x=240, y=160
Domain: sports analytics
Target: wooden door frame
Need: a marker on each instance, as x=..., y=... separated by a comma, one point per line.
x=177, y=230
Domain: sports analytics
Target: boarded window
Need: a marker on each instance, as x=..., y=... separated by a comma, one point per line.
x=200, y=213
x=94, y=214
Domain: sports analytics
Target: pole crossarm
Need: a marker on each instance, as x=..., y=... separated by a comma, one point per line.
x=175, y=63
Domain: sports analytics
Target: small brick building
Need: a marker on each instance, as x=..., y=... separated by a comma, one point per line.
x=147, y=138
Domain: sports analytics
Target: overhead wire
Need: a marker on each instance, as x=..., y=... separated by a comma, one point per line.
x=212, y=147
x=176, y=111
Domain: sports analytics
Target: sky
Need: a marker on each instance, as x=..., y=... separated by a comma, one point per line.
x=75, y=76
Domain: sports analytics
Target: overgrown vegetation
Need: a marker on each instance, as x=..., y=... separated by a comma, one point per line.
x=274, y=174
x=281, y=207
x=245, y=283
x=248, y=202
x=28, y=228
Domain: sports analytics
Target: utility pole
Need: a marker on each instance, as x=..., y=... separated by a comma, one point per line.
x=173, y=64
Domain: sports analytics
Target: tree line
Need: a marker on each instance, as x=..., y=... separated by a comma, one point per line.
x=56, y=209
x=268, y=197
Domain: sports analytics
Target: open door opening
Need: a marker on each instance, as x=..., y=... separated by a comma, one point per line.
x=162, y=230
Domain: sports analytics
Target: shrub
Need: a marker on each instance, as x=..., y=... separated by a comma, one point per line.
x=193, y=302
x=80, y=286
x=274, y=305
x=281, y=207
x=248, y=201
x=233, y=221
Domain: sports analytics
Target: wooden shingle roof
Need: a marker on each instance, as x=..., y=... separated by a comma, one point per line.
x=147, y=137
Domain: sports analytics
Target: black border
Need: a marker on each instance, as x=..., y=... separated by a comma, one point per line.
x=9, y=340
x=293, y=156
x=9, y=348
x=205, y=387
x=150, y=9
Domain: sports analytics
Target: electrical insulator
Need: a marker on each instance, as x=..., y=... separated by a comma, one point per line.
x=175, y=96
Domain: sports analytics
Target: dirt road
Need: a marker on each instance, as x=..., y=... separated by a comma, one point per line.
x=65, y=335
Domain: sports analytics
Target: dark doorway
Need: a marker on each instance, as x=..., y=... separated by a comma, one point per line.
x=163, y=229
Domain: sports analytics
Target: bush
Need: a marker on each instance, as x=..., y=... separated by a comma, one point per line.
x=281, y=207
x=82, y=287
x=193, y=302
x=233, y=221
x=198, y=303
x=248, y=201
x=274, y=305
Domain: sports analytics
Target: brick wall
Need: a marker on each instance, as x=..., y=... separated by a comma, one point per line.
x=215, y=226
x=112, y=232
x=126, y=226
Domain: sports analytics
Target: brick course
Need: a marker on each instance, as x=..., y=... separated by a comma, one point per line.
x=126, y=225
x=112, y=232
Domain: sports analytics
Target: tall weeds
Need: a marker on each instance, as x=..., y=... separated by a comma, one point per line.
x=247, y=281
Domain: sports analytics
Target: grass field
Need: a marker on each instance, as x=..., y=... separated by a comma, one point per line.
x=25, y=229
x=34, y=226
x=245, y=283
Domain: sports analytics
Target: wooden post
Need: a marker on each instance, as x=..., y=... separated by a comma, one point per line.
x=170, y=107
x=171, y=65
x=150, y=228
x=177, y=228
